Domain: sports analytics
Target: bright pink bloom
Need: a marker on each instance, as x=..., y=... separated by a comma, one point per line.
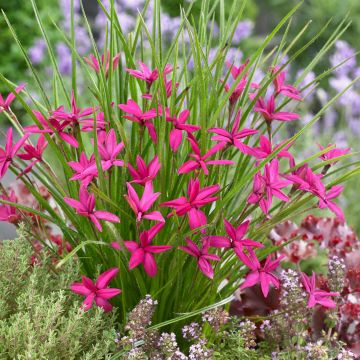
x=235, y=239
x=234, y=136
x=51, y=126
x=176, y=134
x=85, y=169
x=202, y=255
x=8, y=154
x=317, y=296
x=148, y=75
x=169, y=86
x=109, y=149
x=197, y=198
x=200, y=161
x=267, y=109
x=88, y=124
x=282, y=88
x=93, y=62
x=142, y=253
x=333, y=153
x=141, y=207
x=307, y=180
x=98, y=291
x=86, y=207
x=5, y=104
x=9, y=213
x=268, y=185
x=144, y=173
x=325, y=201
x=260, y=274
x=138, y=116
x=76, y=113
x=265, y=149
x=33, y=153
x=236, y=72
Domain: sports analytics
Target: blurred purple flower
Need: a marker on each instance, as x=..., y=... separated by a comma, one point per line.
x=243, y=30
x=64, y=56
x=37, y=51
x=343, y=51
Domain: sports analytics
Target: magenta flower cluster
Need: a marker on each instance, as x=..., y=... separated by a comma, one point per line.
x=195, y=205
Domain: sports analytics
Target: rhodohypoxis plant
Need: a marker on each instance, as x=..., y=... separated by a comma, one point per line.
x=132, y=157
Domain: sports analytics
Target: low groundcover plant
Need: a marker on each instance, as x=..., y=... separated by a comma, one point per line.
x=169, y=179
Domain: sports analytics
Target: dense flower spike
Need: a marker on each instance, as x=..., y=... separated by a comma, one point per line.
x=260, y=274
x=8, y=154
x=105, y=60
x=176, y=134
x=197, y=198
x=76, y=113
x=85, y=169
x=317, y=296
x=144, y=173
x=202, y=255
x=268, y=185
x=282, y=88
x=52, y=126
x=86, y=207
x=9, y=213
x=235, y=239
x=149, y=76
x=144, y=119
x=233, y=137
x=142, y=253
x=141, y=207
x=33, y=153
x=98, y=291
x=109, y=149
x=267, y=109
x=200, y=161
x=5, y=104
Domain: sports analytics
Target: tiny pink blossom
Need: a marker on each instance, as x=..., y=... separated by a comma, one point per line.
x=144, y=173
x=149, y=76
x=109, y=150
x=201, y=161
x=268, y=185
x=9, y=213
x=5, y=104
x=233, y=137
x=235, y=239
x=142, y=253
x=176, y=134
x=88, y=124
x=197, y=198
x=138, y=116
x=266, y=149
x=99, y=291
x=52, y=126
x=282, y=88
x=141, y=207
x=8, y=154
x=333, y=153
x=33, y=153
x=202, y=255
x=260, y=274
x=76, y=114
x=105, y=60
x=317, y=296
x=267, y=109
x=86, y=207
x=85, y=169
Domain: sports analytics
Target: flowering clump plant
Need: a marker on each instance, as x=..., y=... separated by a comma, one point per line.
x=168, y=179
